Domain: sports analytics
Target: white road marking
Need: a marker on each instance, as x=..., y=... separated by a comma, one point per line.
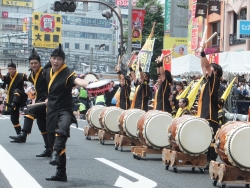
x=4, y=117
x=73, y=126
x=17, y=176
x=122, y=182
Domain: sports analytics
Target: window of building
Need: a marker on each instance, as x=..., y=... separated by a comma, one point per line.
x=106, y=48
x=86, y=46
x=216, y=28
x=77, y=46
x=66, y=45
x=96, y=47
x=76, y=57
x=241, y=16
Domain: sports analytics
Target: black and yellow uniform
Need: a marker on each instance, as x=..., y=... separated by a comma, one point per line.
x=174, y=111
x=59, y=114
x=208, y=107
x=185, y=111
x=163, y=97
x=36, y=112
x=178, y=94
x=16, y=97
x=142, y=94
x=124, y=96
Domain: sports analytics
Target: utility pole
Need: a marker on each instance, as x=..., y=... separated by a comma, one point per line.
x=30, y=36
x=91, y=60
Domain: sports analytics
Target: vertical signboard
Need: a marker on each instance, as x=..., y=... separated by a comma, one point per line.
x=46, y=30
x=167, y=18
x=137, y=26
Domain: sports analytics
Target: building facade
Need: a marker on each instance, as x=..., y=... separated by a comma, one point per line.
x=13, y=41
x=225, y=24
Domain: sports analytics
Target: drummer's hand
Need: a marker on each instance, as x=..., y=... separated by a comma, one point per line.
x=46, y=102
x=82, y=76
x=202, y=47
x=117, y=68
x=129, y=64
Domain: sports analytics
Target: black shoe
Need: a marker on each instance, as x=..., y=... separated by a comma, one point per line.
x=55, y=158
x=21, y=138
x=59, y=176
x=45, y=153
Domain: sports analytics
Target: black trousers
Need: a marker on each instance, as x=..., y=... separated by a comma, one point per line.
x=211, y=154
x=38, y=113
x=57, y=140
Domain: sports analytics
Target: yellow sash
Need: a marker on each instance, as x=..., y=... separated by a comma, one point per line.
x=53, y=76
x=8, y=91
x=36, y=77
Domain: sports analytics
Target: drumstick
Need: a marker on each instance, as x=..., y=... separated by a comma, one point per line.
x=210, y=38
x=36, y=104
x=203, y=38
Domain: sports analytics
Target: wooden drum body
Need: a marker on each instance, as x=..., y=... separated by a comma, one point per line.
x=152, y=129
x=109, y=117
x=128, y=122
x=92, y=116
x=190, y=135
x=231, y=144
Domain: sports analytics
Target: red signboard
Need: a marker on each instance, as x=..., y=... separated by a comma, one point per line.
x=5, y=14
x=137, y=26
x=194, y=42
x=122, y=3
x=167, y=58
x=47, y=23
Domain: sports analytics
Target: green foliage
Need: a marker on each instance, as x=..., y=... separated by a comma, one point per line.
x=159, y=30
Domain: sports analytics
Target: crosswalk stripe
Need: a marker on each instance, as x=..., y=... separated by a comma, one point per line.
x=17, y=176
x=4, y=117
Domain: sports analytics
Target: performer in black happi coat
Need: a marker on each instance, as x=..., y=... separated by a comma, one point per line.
x=16, y=97
x=38, y=112
x=208, y=101
x=60, y=116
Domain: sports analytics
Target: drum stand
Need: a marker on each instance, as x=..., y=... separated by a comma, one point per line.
x=141, y=151
x=89, y=131
x=121, y=140
x=223, y=173
x=105, y=135
x=179, y=159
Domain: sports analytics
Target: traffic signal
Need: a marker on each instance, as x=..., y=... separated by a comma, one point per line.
x=107, y=14
x=64, y=6
x=57, y=6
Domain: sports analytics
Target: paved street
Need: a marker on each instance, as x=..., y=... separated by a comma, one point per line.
x=89, y=164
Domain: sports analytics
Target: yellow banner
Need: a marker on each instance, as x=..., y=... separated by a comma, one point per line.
x=18, y=3
x=178, y=46
x=46, y=30
x=149, y=45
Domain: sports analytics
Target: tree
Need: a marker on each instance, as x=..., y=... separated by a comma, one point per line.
x=159, y=30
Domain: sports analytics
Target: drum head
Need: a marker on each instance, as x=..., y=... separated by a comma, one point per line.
x=156, y=130
x=130, y=124
x=111, y=119
x=91, y=77
x=94, y=117
x=97, y=84
x=238, y=146
x=195, y=135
